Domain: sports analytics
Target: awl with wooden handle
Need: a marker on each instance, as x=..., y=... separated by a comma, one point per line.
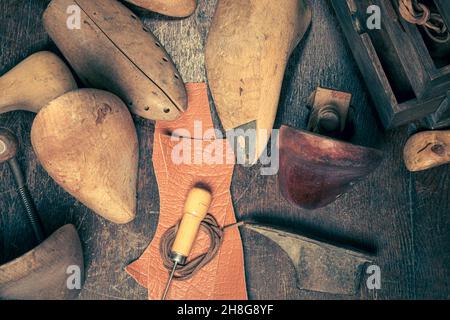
x=195, y=210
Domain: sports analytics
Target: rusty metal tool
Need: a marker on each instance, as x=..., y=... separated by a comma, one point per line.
x=330, y=110
x=319, y=266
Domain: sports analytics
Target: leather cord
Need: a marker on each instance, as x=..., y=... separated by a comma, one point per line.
x=192, y=267
x=417, y=13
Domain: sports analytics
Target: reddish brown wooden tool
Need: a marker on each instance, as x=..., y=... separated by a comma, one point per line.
x=316, y=170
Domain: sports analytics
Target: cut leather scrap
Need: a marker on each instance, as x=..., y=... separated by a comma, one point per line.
x=224, y=277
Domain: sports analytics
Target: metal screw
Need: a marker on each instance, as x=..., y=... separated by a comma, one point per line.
x=325, y=120
x=8, y=151
x=329, y=119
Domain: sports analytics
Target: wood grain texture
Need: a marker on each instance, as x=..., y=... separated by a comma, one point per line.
x=41, y=274
x=426, y=150
x=35, y=82
x=114, y=51
x=248, y=47
x=431, y=232
x=87, y=142
x=402, y=217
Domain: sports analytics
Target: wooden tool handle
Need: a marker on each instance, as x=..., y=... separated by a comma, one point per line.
x=195, y=210
x=35, y=82
x=427, y=150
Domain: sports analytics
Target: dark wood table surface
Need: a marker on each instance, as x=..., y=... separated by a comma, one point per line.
x=403, y=217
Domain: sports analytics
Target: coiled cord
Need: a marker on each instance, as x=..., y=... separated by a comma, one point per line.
x=418, y=13
x=191, y=268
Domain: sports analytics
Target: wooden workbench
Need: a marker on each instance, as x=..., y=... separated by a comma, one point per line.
x=404, y=218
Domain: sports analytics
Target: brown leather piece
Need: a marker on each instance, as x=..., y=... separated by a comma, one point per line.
x=224, y=277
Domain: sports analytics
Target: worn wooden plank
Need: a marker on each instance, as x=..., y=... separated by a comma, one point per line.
x=403, y=218
x=431, y=210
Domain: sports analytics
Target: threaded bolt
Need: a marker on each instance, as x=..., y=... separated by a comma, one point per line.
x=8, y=151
